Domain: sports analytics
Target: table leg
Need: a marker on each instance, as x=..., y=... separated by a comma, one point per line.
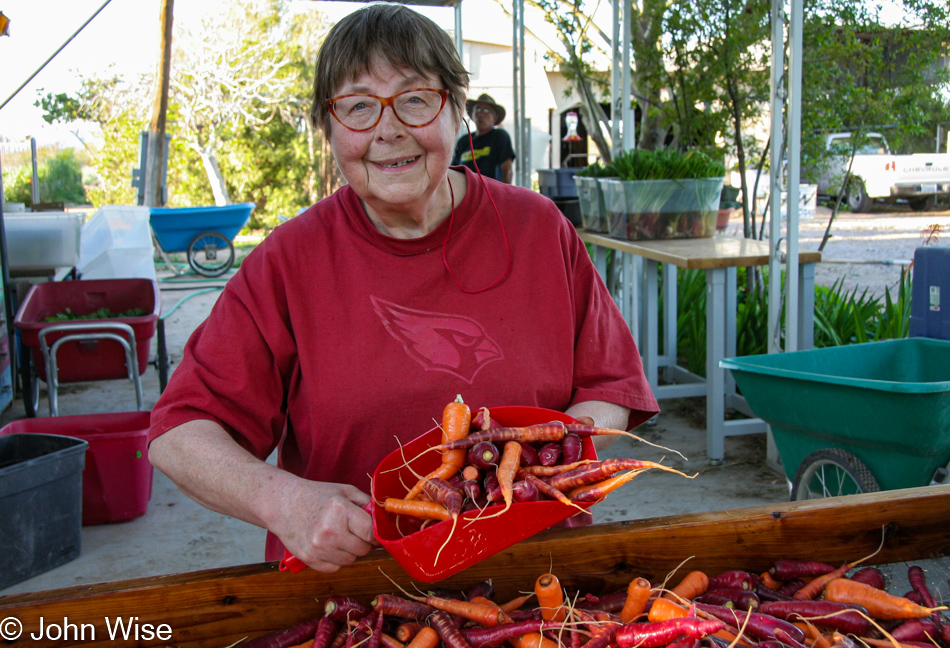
x=715, y=351
x=669, y=320
x=730, y=341
x=649, y=348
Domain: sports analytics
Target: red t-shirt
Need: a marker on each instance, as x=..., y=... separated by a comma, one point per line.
x=333, y=339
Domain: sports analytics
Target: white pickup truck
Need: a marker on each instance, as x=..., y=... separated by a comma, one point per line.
x=881, y=176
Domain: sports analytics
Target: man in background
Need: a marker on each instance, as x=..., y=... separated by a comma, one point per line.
x=490, y=146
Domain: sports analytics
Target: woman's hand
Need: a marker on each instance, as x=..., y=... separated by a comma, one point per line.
x=324, y=524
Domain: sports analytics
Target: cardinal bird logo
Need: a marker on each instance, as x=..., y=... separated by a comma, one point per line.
x=438, y=341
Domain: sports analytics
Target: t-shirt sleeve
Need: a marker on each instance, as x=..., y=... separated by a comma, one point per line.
x=607, y=362
x=234, y=370
x=505, y=150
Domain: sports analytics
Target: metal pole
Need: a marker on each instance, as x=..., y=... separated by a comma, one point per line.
x=775, y=196
x=794, y=172
x=36, y=179
x=628, y=114
x=458, y=28
x=7, y=295
x=616, y=83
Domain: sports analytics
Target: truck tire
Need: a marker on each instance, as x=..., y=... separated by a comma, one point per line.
x=923, y=204
x=857, y=197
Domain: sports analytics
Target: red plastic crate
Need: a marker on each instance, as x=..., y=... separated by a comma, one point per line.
x=117, y=479
x=96, y=360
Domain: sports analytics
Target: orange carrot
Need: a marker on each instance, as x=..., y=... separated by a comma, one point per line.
x=550, y=597
x=456, y=423
x=818, y=640
x=878, y=603
x=425, y=638
x=813, y=588
x=515, y=603
x=486, y=615
x=638, y=591
x=768, y=581
x=388, y=641
x=470, y=472
x=550, y=471
x=415, y=508
x=664, y=609
x=600, y=490
x=507, y=467
x=693, y=584
x=534, y=640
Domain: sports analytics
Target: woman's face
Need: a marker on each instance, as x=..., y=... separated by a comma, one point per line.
x=393, y=166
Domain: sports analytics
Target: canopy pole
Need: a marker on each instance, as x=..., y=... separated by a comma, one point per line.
x=795, y=37
x=776, y=151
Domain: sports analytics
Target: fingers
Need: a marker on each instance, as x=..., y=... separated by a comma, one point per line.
x=334, y=532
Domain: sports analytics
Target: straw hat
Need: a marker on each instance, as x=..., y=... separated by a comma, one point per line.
x=487, y=100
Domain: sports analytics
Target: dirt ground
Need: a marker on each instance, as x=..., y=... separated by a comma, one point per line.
x=177, y=535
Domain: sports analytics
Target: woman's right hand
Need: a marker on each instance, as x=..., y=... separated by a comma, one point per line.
x=324, y=524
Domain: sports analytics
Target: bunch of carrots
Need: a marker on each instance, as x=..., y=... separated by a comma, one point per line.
x=735, y=609
x=485, y=464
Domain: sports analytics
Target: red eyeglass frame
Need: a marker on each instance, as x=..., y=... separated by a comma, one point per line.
x=386, y=101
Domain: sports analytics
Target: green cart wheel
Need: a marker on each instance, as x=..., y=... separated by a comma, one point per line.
x=210, y=254
x=831, y=472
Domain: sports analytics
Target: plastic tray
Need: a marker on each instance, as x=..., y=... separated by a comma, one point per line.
x=117, y=479
x=473, y=542
x=886, y=402
x=97, y=360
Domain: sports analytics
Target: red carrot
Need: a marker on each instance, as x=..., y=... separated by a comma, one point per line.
x=550, y=453
x=731, y=597
x=661, y=633
x=530, y=434
x=735, y=578
x=529, y=455
x=758, y=626
x=442, y=492
x=524, y=491
x=916, y=630
x=849, y=619
x=327, y=629
x=915, y=575
x=290, y=636
x=871, y=576
x=545, y=488
x=496, y=636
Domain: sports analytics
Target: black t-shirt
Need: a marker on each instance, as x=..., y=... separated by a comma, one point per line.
x=491, y=150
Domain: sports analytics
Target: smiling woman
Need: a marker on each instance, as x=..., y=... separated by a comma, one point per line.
x=349, y=324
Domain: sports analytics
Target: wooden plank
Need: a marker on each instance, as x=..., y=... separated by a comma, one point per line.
x=698, y=253
x=219, y=607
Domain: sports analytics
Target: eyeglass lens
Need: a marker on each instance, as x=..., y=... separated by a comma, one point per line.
x=413, y=108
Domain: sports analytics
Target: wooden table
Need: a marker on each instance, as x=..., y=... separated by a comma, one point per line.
x=719, y=257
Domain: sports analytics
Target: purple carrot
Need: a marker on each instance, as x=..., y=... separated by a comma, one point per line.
x=783, y=635
x=785, y=570
x=870, y=576
x=483, y=589
x=491, y=487
x=545, y=488
x=529, y=455
x=759, y=626
x=915, y=574
x=549, y=453
x=843, y=617
x=396, y=606
x=768, y=594
x=343, y=608
x=789, y=588
x=470, y=489
x=448, y=632
x=327, y=629
x=524, y=491
x=916, y=630
x=483, y=455
x=441, y=491
x=612, y=602
x=571, y=448
x=731, y=597
x=290, y=636
x=661, y=633
x=734, y=579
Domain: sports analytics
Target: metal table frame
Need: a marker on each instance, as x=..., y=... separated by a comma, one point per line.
x=638, y=299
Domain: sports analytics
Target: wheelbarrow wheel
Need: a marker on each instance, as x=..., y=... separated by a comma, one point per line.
x=210, y=254
x=831, y=472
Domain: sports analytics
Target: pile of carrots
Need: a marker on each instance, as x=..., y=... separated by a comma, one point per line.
x=775, y=609
x=485, y=464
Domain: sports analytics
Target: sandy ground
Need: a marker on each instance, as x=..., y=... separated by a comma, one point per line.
x=177, y=535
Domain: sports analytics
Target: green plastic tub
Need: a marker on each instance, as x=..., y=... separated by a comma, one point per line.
x=888, y=403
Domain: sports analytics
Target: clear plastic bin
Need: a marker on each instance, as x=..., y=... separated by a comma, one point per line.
x=43, y=242
x=116, y=243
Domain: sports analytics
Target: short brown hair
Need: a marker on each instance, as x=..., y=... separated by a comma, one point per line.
x=394, y=33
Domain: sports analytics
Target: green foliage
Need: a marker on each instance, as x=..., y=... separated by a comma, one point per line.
x=841, y=317
x=101, y=313
x=666, y=164
x=59, y=179
x=598, y=170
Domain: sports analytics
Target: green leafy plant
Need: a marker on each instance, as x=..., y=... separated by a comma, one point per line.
x=598, y=170
x=102, y=313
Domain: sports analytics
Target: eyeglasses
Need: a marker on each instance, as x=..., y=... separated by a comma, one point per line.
x=483, y=110
x=414, y=108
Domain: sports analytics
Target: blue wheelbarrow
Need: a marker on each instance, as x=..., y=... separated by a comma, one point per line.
x=204, y=234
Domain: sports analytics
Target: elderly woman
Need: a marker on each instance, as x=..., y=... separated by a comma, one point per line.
x=356, y=322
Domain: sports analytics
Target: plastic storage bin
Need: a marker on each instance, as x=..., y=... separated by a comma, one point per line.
x=42, y=242
x=117, y=480
x=558, y=182
x=886, y=402
x=87, y=361
x=641, y=210
x=590, y=194
x=40, y=504
x=930, y=296
x=117, y=243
